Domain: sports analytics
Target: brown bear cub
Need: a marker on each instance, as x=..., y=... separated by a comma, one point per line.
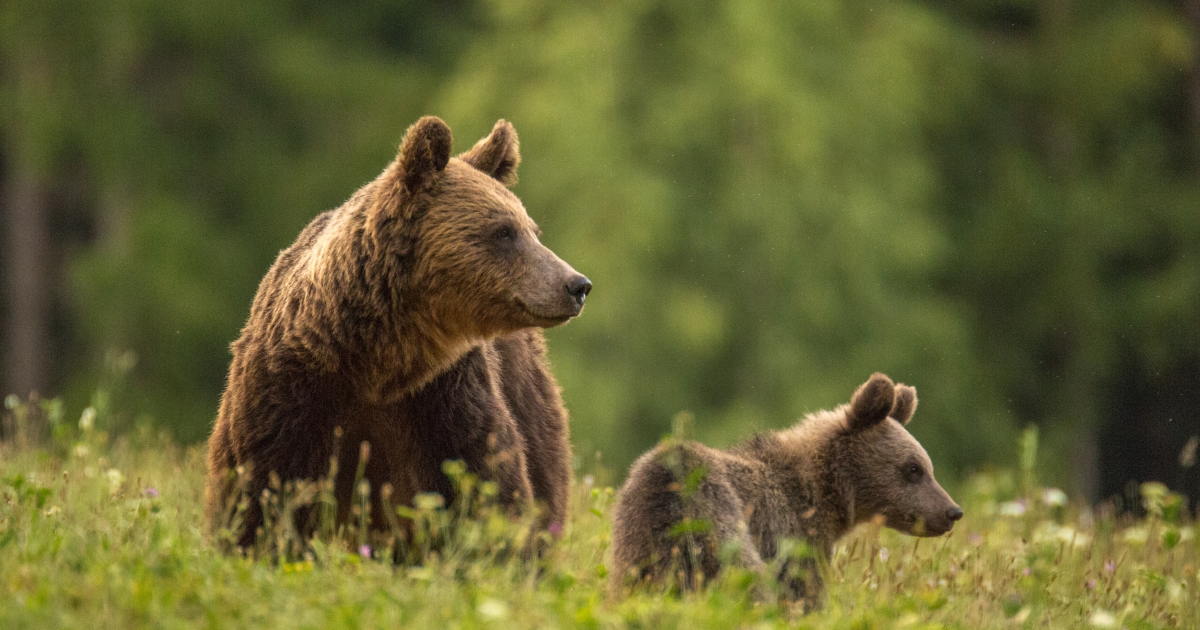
x=408, y=318
x=686, y=508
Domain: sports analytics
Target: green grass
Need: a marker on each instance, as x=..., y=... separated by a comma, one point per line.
x=98, y=536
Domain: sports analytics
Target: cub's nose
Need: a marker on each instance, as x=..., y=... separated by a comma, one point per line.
x=954, y=513
x=578, y=287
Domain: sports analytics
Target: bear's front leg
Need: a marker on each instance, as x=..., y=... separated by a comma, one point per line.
x=503, y=461
x=801, y=583
x=533, y=400
x=461, y=415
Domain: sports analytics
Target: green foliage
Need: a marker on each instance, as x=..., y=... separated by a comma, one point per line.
x=992, y=201
x=689, y=526
x=772, y=248
x=110, y=537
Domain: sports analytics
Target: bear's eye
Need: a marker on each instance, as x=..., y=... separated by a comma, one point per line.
x=504, y=233
x=913, y=471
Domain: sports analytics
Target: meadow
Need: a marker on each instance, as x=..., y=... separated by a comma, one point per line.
x=107, y=533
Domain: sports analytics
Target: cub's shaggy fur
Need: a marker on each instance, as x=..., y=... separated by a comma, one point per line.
x=687, y=508
x=408, y=318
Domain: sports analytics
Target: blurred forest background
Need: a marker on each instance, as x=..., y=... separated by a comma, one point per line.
x=996, y=201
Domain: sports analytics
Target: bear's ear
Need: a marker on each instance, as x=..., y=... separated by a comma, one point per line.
x=424, y=152
x=497, y=155
x=906, y=403
x=871, y=403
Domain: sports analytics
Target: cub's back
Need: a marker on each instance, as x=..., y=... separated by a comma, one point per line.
x=677, y=509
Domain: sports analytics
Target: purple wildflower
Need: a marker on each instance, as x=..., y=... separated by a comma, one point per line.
x=365, y=552
x=151, y=492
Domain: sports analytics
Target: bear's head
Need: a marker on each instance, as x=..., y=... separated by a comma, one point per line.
x=473, y=252
x=889, y=470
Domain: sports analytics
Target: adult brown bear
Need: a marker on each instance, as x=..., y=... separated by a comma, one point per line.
x=408, y=318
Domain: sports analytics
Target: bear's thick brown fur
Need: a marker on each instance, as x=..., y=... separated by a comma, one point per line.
x=686, y=508
x=409, y=318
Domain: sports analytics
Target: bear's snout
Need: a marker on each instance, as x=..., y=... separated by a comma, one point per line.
x=551, y=292
x=938, y=524
x=578, y=287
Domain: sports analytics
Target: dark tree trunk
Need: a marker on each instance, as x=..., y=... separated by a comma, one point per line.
x=28, y=294
x=1057, y=136
x=1059, y=143
x=1192, y=8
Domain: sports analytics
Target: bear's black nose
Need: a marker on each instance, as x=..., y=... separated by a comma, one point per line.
x=578, y=287
x=954, y=513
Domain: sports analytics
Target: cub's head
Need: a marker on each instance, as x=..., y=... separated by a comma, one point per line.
x=890, y=471
x=476, y=257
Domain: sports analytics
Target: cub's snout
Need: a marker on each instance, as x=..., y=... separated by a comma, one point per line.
x=936, y=524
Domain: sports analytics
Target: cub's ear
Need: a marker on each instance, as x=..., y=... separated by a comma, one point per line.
x=871, y=403
x=424, y=152
x=906, y=403
x=497, y=155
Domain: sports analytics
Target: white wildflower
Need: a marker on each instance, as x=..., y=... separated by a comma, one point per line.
x=1103, y=619
x=1053, y=497
x=1013, y=508
x=1174, y=589
x=115, y=480
x=87, y=419
x=1136, y=535
x=1049, y=531
x=493, y=609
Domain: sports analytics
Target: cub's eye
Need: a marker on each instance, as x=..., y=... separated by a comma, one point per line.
x=913, y=472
